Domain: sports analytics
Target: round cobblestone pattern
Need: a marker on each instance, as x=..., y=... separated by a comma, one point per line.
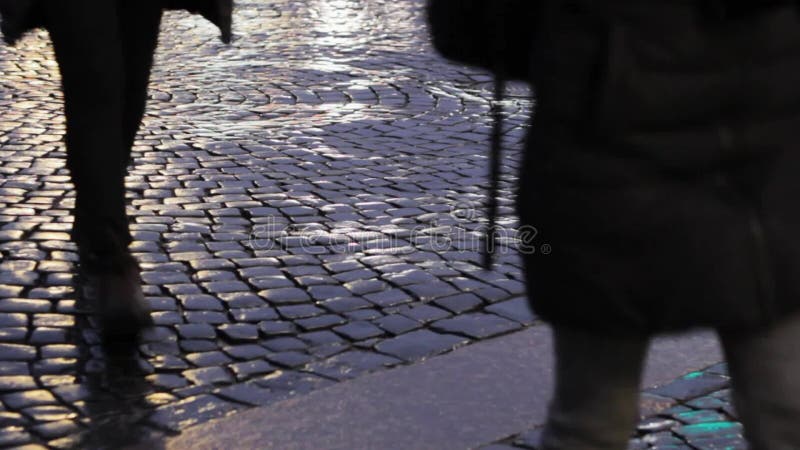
x=305, y=207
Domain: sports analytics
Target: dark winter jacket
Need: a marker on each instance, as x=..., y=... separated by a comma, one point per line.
x=19, y=16
x=663, y=166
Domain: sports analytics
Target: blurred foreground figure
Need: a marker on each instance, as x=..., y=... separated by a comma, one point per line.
x=663, y=167
x=104, y=50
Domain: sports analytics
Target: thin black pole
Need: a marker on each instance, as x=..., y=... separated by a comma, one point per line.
x=495, y=155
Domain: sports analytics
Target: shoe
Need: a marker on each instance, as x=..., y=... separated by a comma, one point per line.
x=112, y=286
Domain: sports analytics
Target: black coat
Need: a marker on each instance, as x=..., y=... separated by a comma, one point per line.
x=663, y=168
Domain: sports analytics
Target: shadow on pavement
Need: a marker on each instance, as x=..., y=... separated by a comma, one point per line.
x=116, y=404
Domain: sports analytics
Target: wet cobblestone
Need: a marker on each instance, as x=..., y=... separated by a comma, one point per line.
x=305, y=207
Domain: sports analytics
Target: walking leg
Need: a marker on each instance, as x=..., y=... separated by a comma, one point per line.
x=595, y=406
x=765, y=371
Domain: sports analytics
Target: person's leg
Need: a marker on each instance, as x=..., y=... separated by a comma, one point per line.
x=596, y=405
x=139, y=25
x=88, y=50
x=765, y=371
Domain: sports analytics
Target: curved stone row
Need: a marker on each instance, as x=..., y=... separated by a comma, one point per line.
x=305, y=206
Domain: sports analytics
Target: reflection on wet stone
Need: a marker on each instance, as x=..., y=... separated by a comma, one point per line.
x=283, y=226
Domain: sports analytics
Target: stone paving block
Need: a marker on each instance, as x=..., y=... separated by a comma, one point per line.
x=477, y=325
x=290, y=359
x=12, y=419
x=244, y=351
x=281, y=344
x=242, y=300
x=196, y=331
x=8, y=320
x=491, y=294
x=276, y=327
x=397, y=324
x=425, y=313
x=354, y=275
x=299, y=311
x=358, y=330
x=248, y=369
x=20, y=400
x=17, y=352
x=14, y=436
x=200, y=302
x=190, y=411
x=224, y=287
x=24, y=305
x=206, y=317
x=254, y=314
x=459, y=303
x=72, y=393
x=292, y=383
x=7, y=291
x=319, y=322
x=281, y=296
x=363, y=287
x=692, y=385
x=208, y=375
x=702, y=416
x=54, y=430
x=328, y=291
x=390, y=297
x=247, y=393
x=169, y=363
x=239, y=332
x=325, y=337
x=351, y=364
x=431, y=291
x=13, y=335
x=419, y=344
x=517, y=309
x=363, y=314
x=198, y=345
x=208, y=359
x=14, y=368
x=709, y=430
x=271, y=282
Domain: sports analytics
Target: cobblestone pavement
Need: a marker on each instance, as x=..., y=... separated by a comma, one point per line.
x=696, y=413
x=304, y=210
x=303, y=207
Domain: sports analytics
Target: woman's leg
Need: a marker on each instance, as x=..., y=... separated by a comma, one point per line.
x=597, y=391
x=139, y=26
x=88, y=49
x=765, y=370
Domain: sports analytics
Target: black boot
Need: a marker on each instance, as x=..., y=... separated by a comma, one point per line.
x=112, y=287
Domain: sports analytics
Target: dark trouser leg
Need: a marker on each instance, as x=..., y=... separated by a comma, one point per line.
x=88, y=49
x=765, y=369
x=595, y=406
x=139, y=25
